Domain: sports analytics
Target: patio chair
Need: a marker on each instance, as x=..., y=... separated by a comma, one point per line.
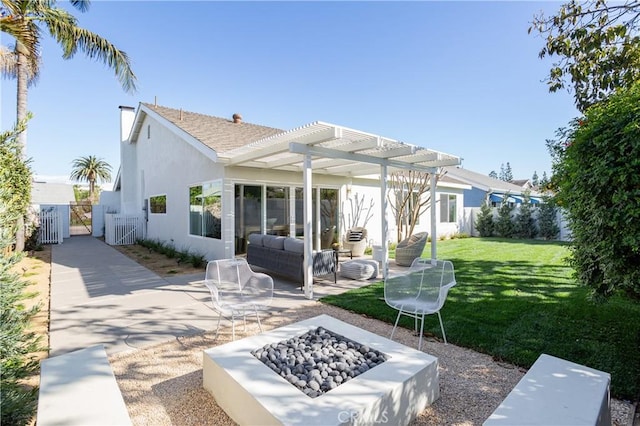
x=355, y=240
x=410, y=248
x=237, y=291
x=420, y=291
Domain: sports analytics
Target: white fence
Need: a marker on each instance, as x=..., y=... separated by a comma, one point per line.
x=50, y=226
x=120, y=229
x=470, y=215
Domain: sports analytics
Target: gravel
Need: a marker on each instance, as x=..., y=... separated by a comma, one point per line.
x=318, y=360
x=162, y=384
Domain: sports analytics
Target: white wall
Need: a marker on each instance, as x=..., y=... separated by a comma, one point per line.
x=471, y=215
x=166, y=165
x=374, y=226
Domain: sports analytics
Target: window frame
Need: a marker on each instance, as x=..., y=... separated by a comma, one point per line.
x=206, y=228
x=152, y=204
x=450, y=216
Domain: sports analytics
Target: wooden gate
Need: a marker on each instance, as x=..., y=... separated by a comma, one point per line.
x=80, y=218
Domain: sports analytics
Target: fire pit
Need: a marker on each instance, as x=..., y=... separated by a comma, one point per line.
x=394, y=391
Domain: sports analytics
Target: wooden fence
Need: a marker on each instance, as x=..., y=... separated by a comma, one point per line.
x=120, y=229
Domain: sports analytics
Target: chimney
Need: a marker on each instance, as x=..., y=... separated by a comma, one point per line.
x=237, y=118
x=127, y=115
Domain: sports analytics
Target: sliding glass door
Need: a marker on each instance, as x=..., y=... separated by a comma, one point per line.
x=277, y=213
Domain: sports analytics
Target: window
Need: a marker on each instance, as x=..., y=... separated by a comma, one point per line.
x=448, y=208
x=205, y=209
x=158, y=204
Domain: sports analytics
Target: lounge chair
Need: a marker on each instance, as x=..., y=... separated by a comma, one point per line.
x=410, y=248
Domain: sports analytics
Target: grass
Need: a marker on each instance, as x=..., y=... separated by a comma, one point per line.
x=516, y=299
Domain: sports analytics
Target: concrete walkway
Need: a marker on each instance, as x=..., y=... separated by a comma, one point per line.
x=100, y=296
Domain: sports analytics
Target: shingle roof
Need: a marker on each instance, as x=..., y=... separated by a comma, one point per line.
x=218, y=133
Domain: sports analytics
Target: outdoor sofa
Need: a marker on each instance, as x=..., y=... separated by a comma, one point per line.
x=284, y=256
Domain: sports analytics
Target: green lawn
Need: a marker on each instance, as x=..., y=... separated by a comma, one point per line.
x=515, y=300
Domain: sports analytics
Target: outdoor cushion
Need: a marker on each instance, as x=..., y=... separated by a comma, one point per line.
x=359, y=269
x=255, y=239
x=354, y=236
x=273, y=242
x=294, y=245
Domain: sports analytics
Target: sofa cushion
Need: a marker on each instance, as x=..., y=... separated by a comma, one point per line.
x=273, y=242
x=294, y=245
x=256, y=239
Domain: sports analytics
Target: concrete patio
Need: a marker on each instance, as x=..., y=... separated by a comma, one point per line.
x=100, y=296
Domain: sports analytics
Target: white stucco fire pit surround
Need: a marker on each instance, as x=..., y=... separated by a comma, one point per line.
x=392, y=393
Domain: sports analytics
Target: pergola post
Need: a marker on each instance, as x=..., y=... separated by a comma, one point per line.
x=434, y=238
x=385, y=222
x=308, y=231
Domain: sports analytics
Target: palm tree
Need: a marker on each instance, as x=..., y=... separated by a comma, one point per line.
x=91, y=169
x=22, y=19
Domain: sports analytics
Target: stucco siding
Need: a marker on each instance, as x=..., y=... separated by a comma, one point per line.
x=169, y=166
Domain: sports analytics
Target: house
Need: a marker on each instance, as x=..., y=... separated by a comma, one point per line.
x=484, y=187
x=205, y=183
x=50, y=197
x=523, y=183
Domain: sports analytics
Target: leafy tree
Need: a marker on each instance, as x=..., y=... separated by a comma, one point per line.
x=524, y=224
x=534, y=179
x=544, y=182
x=493, y=174
x=598, y=46
x=18, y=403
x=409, y=198
x=547, y=219
x=504, y=225
x=24, y=20
x=91, y=169
x=595, y=164
x=15, y=181
x=484, y=221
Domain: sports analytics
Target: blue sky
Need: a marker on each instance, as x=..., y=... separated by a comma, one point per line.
x=459, y=77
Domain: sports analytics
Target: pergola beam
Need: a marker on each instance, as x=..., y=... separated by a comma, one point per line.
x=355, y=157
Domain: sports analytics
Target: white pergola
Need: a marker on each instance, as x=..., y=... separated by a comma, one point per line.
x=324, y=148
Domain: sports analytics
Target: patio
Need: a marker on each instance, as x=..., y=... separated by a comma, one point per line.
x=161, y=382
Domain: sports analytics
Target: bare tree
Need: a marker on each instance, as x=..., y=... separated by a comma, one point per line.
x=409, y=197
x=357, y=211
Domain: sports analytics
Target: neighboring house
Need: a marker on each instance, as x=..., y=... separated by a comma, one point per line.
x=52, y=193
x=48, y=196
x=205, y=183
x=484, y=187
x=523, y=183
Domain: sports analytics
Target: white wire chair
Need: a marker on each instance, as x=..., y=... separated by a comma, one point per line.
x=420, y=291
x=236, y=290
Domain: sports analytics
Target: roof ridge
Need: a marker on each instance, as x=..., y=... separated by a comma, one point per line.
x=177, y=110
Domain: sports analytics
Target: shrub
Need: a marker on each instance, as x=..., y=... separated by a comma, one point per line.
x=547, y=219
x=197, y=260
x=504, y=226
x=484, y=222
x=595, y=164
x=524, y=225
